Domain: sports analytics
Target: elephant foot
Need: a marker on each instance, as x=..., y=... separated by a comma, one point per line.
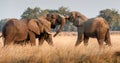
x=85, y=44
x=77, y=43
x=33, y=44
x=109, y=45
x=51, y=44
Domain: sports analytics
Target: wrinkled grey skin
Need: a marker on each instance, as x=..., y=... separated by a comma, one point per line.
x=94, y=27
x=16, y=31
x=56, y=19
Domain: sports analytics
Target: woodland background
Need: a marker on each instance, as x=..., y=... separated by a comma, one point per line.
x=111, y=15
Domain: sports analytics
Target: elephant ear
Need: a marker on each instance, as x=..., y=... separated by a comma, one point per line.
x=33, y=26
x=78, y=22
x=48, y=27
x=45, y=25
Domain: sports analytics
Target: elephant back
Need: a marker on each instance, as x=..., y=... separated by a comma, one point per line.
x=15, y=27
x=95, y=23
x=17, y=24
x=102, y=22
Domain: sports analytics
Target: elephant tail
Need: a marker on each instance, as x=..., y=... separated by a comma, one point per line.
x=107, y=38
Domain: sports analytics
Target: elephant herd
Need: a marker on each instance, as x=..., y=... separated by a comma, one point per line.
x=27, y=30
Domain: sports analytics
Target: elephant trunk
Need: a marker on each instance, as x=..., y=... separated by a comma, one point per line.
x=63, y=22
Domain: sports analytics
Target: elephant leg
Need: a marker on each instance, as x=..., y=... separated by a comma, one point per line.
x=86, y=41
x=78, y=42
x=8, y=41
x=101, y=41
x=107, y=38
x=101, y=38
x=41, y=40
x=49, y=39
x=32, y=38
x=79, y=39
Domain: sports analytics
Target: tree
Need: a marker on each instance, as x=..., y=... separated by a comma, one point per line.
x=44, y=12
x=63, y=10
x=31, y=13
x=112, y=17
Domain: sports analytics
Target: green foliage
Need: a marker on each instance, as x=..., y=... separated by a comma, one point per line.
x=63, y=10
x=31, y=13
x=112, y=16
x=44, y=12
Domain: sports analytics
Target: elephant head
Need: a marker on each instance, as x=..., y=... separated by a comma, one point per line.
x=39, y=28
x=76, y=18
x=56, y=19
x=94, y=27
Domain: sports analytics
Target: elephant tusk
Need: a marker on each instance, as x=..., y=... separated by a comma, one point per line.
x=49, y=32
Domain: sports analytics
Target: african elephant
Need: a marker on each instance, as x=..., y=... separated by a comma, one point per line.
x=45, y=31
x=94, y=27
x=56, y=19
x=15, y=31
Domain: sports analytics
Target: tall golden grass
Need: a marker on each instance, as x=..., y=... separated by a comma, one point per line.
x=63, y=51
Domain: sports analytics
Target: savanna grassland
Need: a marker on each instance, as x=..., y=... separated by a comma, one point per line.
x=63, y=51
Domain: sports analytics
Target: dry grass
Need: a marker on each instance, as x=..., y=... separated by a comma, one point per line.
x=63, y=51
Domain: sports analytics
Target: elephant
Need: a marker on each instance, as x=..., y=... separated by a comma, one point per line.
x=15, y=31
x=96, y=27
x=45, y=31
x=56, y=19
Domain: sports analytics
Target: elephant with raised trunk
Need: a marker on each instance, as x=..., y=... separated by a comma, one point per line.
x=15, y=31
x=56, y=19
x=94, y=27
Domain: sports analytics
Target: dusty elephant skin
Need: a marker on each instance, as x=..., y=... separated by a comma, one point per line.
x=94, y=27
x=41, y=29
x=15, y=31
x=56, y=19
x=45, y=31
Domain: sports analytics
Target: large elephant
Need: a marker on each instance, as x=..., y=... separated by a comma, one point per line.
x=45, y=31
x=95, y=27
x=56, y=19
x=15, y=31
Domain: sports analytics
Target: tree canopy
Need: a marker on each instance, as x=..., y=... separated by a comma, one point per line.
x=31, y=13
x=112, y=16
